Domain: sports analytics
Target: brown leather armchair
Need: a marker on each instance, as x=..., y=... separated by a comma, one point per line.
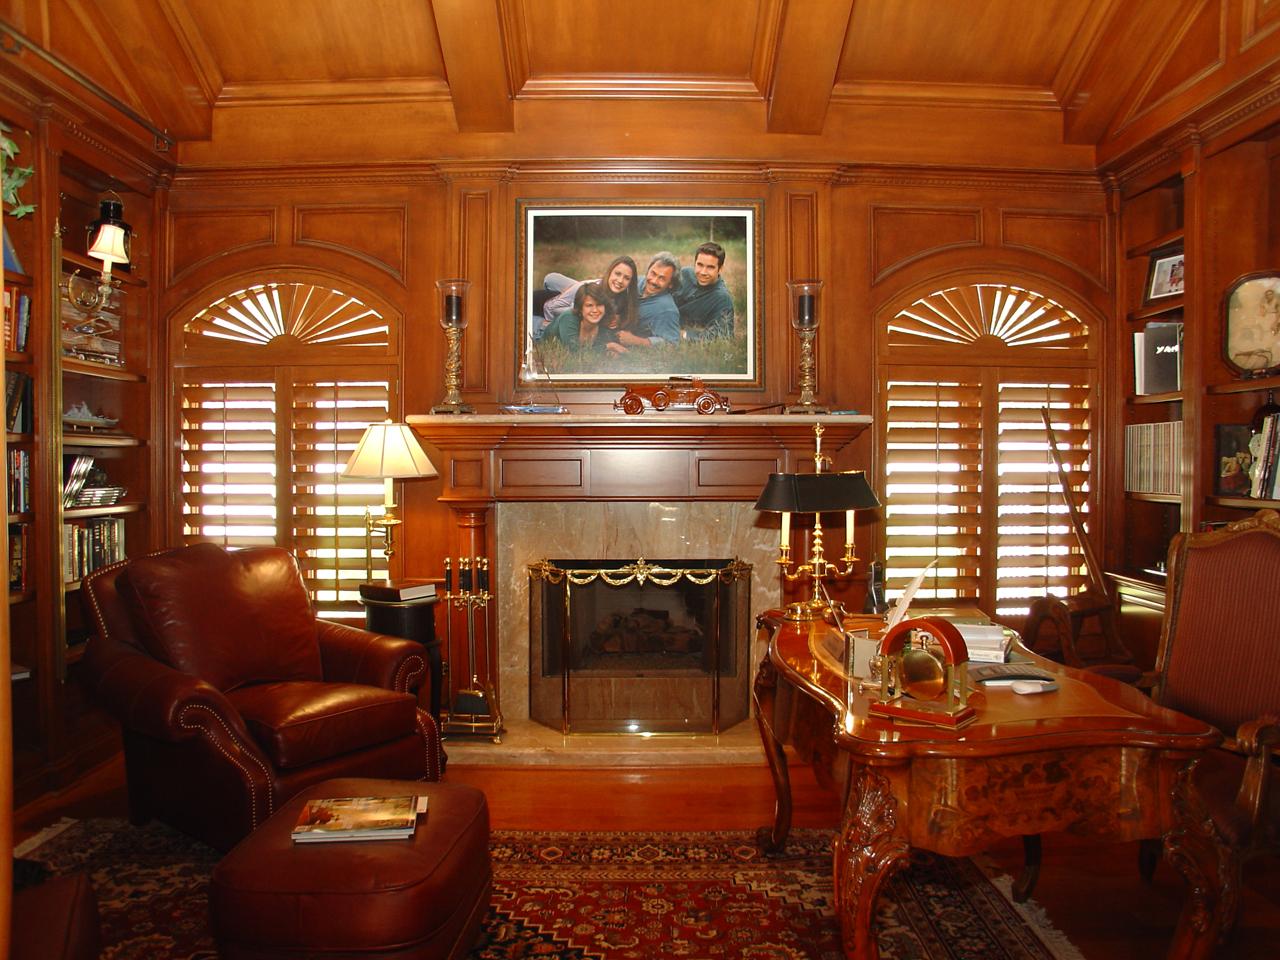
x=1219, y=661
x=233, y=696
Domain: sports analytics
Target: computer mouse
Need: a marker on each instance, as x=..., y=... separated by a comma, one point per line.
x=1032, y=686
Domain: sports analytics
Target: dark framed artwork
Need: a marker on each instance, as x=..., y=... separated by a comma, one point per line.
x=617, y=293
x=1165, y=274
x=1233, y=459
x=1251, y=325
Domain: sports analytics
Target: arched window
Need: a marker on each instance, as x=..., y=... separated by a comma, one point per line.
x=278, y=380
x=968, y=475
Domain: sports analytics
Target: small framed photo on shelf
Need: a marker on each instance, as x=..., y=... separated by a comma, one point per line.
x=1232, y=455
x=1164, y=274
x=1251, y=325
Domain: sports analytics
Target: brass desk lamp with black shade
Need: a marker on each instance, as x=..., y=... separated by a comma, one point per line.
x=816, y=493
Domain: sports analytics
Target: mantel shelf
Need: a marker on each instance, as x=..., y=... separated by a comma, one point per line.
x=651, y=456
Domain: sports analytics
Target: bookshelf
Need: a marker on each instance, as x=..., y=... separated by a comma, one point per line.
x=89, y=402
x=1151, y=228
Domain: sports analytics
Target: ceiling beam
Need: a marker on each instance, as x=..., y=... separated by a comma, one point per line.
x=471, y=43
x=808, y=55
x=1120, y=51
x=150, y=63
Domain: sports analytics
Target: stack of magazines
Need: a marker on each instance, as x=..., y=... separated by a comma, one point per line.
x=358, y=818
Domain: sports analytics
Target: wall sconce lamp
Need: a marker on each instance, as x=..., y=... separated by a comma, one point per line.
x=816, y=493
x=109, y=238
x=389, y=452
x=805, y=319
x=453, y=317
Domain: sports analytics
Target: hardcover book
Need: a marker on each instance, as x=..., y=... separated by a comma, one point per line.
x=395, y=591
x=358, y=818
x=1162, y=364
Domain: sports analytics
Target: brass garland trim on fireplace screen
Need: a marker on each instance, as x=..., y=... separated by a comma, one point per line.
x=640, y=572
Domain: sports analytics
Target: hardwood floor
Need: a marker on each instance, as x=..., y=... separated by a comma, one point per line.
x=1091, y=892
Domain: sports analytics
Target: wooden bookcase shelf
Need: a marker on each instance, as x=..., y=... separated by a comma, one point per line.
x=87, y=368
x=113, y=510
x=1153, y=398
x=1254, y=385
x=1150, y=246
x=56, y=732
x=1164, y=308
x=74, y=439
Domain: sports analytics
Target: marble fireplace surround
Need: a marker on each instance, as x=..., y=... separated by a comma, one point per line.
x=674, y=486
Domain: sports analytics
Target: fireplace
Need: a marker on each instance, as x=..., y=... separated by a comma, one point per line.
x=679, y=486
x=639, y=646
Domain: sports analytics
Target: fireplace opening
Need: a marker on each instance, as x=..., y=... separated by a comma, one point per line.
x=637, y=646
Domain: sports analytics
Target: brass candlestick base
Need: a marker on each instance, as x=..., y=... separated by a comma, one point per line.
x=807, y=404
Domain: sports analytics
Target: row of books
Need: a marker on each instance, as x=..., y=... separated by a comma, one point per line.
x=19, y=479
x=19, y=544
x=90, y=544
x=17, y=320
x=1265, y=477
x=1153, y=457
x=1157, y=358
x=18, y=402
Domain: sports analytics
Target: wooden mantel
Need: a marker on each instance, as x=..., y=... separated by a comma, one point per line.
x=486, y=458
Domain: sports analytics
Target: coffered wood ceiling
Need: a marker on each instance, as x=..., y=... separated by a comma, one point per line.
x=1102, y=72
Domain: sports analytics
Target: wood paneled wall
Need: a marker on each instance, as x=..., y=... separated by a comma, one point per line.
x=876, y=236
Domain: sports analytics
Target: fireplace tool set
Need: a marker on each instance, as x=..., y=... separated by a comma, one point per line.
x=474, y=707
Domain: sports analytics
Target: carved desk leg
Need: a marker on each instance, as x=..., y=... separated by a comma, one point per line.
x=1213, y=875
x=772, y=840
x=868, y=852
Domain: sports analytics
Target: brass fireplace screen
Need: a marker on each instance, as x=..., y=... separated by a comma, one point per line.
x=639, y=647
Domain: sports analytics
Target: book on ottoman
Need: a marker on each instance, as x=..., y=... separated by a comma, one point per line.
x=358, y=818
x=397, y=591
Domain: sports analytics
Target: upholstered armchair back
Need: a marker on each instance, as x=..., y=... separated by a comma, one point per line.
x=231, y=619
x=1220, y=652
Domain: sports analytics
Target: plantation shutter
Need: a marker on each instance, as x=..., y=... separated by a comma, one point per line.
x=1038, y=552
x=969, y=479
x=228, y=459
x=933, y=485
x=279, y=380
x=249, y=479
x=327, y=511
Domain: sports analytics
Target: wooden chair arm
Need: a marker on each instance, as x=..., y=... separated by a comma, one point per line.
x=1256, y=740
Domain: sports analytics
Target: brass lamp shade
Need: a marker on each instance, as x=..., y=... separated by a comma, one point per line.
x=817, y=492
x=389, y=450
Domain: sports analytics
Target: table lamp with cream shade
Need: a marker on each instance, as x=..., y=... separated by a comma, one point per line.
x=388, y=451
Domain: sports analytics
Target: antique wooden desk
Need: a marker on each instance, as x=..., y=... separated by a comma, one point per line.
x=1095, y=758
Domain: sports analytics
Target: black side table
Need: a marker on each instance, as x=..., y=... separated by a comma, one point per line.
x=413, y=620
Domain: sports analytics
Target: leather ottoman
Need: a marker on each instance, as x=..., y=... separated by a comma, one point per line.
x=417, y=899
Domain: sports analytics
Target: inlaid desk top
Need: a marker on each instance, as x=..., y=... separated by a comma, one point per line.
x=1087, y=709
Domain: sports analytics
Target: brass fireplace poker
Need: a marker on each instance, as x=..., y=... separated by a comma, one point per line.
x=474, y=708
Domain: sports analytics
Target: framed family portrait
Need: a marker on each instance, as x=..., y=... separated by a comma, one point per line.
x=612, y=293
x=1164, y=275
x=1251, y=325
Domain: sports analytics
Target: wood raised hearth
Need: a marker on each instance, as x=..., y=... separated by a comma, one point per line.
x=670, y=485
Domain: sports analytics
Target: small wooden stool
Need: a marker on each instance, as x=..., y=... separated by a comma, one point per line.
x=418, y=899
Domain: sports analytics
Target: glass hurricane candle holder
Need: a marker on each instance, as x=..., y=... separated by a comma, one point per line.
x=805, y=319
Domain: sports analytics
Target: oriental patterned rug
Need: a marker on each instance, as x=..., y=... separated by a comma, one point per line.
x=596, y=896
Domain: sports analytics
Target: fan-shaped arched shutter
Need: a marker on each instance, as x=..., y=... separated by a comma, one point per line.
x=268, y=427
x=968, y=476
